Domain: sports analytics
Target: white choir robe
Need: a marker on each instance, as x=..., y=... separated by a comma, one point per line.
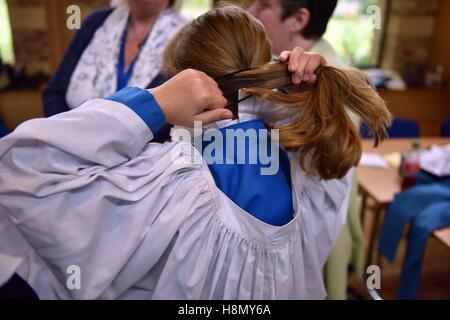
x=86, y=189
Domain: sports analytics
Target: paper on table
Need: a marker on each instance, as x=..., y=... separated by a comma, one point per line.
x=436, y=160
x=373, y=160
x=394, y=159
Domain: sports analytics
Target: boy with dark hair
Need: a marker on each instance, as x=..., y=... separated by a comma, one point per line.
x=297, y=23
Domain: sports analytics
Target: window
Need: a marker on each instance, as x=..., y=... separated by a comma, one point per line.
x=352, y=31
x=6, y=44
x=195, y=8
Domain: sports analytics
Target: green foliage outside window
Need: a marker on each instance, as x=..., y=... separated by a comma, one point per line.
x=351, y=31
x=6, y=44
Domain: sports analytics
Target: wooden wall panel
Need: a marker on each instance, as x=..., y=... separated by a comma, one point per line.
x=427, y=106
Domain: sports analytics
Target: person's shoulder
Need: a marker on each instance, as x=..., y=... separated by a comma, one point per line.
x=316, y=187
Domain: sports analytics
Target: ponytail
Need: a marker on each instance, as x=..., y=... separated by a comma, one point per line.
x=228, y=39
x=323, y=129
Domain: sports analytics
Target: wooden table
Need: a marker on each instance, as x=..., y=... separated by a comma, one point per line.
x=381, y=185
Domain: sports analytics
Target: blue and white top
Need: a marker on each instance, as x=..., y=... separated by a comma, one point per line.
x=92, y=66
x=140, y=220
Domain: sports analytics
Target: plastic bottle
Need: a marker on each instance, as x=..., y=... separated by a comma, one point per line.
x=411, y=166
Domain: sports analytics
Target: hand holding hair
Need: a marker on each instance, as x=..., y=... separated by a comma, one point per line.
x=302, y=65
x=191, y=96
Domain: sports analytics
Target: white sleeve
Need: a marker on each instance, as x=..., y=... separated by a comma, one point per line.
x=336, y=195
x=85, y=188
x=325, y=211
x=100, y=132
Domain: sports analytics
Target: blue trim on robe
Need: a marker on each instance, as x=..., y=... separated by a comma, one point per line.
x=144, y=104
x=266, y=197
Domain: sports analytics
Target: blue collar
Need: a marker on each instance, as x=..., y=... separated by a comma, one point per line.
x=266, y=197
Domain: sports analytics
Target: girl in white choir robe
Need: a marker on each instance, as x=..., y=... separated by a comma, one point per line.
x=89, y=209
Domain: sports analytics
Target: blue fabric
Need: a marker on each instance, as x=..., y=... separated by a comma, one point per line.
x=3, y=130
x=446, y=128
x=401, y=128
x=144, y=104
x=123, y=76
x=266, y=197
x=404, y=128
x=424, y=177
x=435, y=216
x=427, y=207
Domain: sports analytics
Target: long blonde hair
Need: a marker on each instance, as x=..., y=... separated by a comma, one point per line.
x=228, y=39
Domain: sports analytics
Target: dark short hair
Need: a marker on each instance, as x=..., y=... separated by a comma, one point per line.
x=320, y=11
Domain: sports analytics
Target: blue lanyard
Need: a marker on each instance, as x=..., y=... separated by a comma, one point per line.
x=123, y=76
